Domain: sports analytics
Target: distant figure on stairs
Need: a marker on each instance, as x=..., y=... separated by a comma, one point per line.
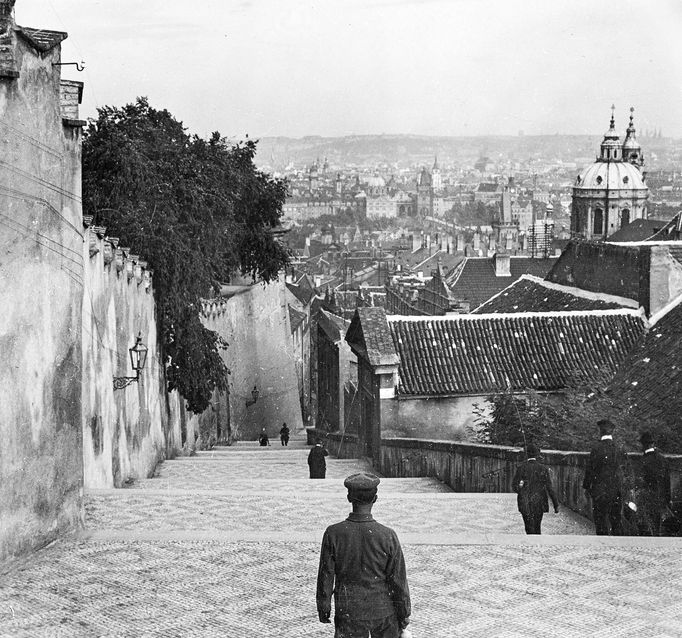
x=316, y=462
x=263, y=439
x=284, y=434
x=533, y=485
x=362, y=566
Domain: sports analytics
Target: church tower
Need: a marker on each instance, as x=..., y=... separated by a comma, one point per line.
x=436, y=177
x=610, y=193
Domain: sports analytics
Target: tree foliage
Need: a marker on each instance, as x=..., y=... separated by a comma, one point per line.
x=197, y=210
x=565, y=421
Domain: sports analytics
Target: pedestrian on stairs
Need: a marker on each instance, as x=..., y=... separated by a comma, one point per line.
x=362, y=564
x=284, y=434
x=316, y=462
x=533, y=485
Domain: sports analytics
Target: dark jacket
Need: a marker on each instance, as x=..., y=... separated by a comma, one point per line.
x=536, y=487
x=362, y=564
x=654, y=481
x=604, y=472
x=316, y=462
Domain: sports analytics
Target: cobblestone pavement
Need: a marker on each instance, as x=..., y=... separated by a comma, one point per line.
x=240, y=561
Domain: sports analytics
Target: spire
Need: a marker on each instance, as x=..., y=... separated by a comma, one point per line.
x=632, y=151
x=610, y=146
x=435, y=164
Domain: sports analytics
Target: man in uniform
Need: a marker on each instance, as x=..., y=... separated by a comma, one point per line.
x=533, y=485
x=284, y=434
x=654, y=487
x=316, y=462
x=604, y=482
x=362, y=563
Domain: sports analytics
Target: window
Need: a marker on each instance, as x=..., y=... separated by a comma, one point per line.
x=598, y=225
x=624, y=217
x=599, y=179
x=626, y=179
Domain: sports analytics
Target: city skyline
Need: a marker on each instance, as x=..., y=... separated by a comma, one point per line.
x=415, y=67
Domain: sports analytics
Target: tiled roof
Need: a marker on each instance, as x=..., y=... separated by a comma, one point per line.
x=42, y=39
x=368, y=335
x=475, y=281
x=531, y=294
x=638, y=230
x=650, y=379
x=672, y=230
x=296, y=318
x=482, y=354
x=333, y=325
x=487, y=187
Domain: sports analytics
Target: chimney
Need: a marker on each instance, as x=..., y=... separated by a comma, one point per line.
x=416, y=243
x=460, y=243
x=665, y=279
x=502, y=263
x=8, y=63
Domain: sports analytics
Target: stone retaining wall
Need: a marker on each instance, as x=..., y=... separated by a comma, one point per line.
x=476, y=467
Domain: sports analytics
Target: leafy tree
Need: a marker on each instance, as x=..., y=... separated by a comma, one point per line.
x=197, y=210
x=563, y=421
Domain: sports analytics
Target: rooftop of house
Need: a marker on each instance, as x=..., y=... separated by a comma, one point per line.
x=475, y=279
x=638, y=230
x=334, y=326
x=296, y=318
x=483, y=354
x=599, y=267
x=42, y=39
x=369, y=337
x=658, y=357
x=532, y=294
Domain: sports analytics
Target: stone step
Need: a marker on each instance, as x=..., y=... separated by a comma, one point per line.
x=434, y=513
x=288, y=485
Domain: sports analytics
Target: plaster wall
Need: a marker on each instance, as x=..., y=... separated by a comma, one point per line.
x=447, y=419
x=260, y=352
x=41, y=280
x=125, y=432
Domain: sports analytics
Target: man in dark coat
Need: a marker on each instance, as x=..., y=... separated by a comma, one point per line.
x=533, y=485
x=653, y=497
x=362, y=564
x=604, y=482
x=284, y=434
x=263, y=439
x=316, y=462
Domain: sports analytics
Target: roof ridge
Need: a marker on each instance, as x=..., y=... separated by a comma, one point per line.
x=581, y=292
x=657, y=316
x=520, y=315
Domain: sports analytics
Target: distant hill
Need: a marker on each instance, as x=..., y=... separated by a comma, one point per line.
x=410, y=150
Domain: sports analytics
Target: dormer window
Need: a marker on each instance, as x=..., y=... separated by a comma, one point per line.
x=626, y=179
x=599, y=179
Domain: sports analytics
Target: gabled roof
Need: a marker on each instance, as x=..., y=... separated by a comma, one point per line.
x=369, y=337
x=334, y=326
x=474, y=280
x=488, y=187
x=650, y=380
x=638, y=230
x=671, y=231
x=303, y=290
x=483, y=354
x=296, y=318
x=532, y=294
x=42, y=39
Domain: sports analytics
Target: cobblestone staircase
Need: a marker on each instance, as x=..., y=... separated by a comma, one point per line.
x=225, y=543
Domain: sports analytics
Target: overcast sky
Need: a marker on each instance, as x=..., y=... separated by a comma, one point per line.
x=343, y=67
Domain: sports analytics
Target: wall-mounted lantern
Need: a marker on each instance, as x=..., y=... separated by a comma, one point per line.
x=254, y=396
x=138, y=357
